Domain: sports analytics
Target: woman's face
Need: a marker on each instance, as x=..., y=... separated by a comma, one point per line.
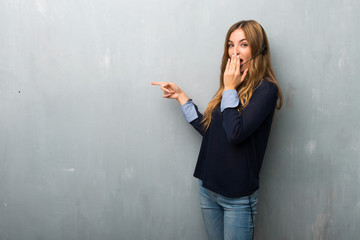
x=238, y=45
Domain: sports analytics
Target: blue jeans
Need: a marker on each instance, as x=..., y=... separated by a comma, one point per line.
x=227, y=218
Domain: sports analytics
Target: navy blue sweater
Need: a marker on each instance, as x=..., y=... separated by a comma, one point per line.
x=233, y=148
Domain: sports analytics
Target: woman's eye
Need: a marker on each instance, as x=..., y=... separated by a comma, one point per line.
x=244, y=45
x=230, y=45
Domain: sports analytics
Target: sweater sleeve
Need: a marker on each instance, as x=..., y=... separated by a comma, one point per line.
x=189, y=111
x=238, y=127
x=193, y=116
x=230, y=99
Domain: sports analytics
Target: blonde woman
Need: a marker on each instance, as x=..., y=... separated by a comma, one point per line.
x=235, y=128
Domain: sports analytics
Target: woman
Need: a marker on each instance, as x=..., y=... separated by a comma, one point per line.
x=235, y=129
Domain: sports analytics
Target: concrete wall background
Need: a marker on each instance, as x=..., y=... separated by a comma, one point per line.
x=89, y=150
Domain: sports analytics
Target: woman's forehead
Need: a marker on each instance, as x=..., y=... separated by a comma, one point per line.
x=237, y=35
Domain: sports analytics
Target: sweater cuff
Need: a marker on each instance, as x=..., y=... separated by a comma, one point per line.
x=189, y=111
x=230, y=99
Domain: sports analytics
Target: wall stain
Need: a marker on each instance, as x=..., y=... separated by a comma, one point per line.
x=322, y=228
x=289, y=101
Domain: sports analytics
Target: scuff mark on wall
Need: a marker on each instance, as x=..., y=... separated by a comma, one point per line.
x=290, y=148
x=341, y=59
x=310, y=147
x=355, y=146
x=357, y=208
x=68, y=169
x=41, y=6
x=128, y=173
x=104, y=61
x=321, y=227
x=289, y=101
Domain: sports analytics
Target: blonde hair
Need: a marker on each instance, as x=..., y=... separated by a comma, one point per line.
x=260, y=68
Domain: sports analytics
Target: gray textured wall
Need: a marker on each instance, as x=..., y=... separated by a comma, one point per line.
x=89, y=150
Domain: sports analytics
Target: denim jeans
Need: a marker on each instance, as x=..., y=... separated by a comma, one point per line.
x=228, y=218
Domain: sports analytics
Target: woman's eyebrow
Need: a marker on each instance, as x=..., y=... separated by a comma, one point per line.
x=244, y=39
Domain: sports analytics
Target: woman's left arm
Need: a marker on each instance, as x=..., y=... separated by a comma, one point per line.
x=238, y=127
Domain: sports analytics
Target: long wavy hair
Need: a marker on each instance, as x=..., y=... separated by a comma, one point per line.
x=260, y=68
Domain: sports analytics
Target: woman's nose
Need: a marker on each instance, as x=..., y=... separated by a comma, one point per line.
x=236, y=51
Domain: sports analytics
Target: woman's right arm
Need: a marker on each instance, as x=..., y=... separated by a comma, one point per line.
x=189, y=109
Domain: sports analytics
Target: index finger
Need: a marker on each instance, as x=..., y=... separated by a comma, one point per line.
x=237, y=68
x=158, y=83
